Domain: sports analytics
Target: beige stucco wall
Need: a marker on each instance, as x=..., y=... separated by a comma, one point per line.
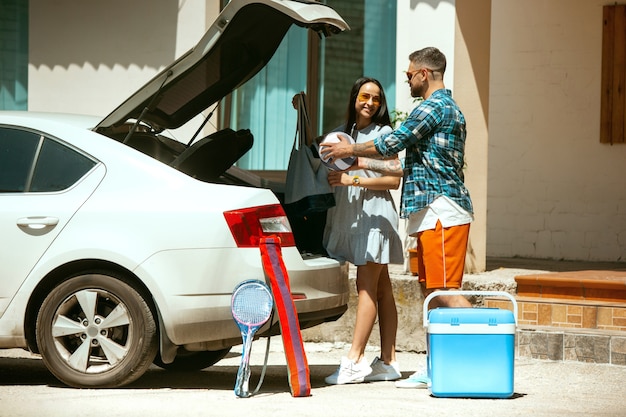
x=109, y=49
x=526, y=74
x=471, y=81
x=460, y=29
x=553, y=190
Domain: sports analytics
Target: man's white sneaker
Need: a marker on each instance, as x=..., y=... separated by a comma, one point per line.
x=383, y=372
x=349, y=372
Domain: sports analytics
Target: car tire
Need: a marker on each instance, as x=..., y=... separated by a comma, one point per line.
x=96, y=331
x=187, y=361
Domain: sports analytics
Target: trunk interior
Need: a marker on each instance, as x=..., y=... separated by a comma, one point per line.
x=212, y=159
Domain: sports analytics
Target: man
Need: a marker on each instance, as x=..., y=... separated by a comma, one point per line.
x=434, y=197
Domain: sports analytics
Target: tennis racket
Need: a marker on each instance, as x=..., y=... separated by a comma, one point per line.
x=251, y=305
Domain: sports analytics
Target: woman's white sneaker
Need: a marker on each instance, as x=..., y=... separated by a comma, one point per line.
x=383, y=372
x=349, y=372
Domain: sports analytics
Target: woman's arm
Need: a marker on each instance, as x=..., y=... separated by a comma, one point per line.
x=386, y=182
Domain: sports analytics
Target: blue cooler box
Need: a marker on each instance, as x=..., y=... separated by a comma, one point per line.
x=471, y=351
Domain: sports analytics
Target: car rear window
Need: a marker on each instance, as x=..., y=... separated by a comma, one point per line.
x=30, y=162
x=17, y=152
x=58, y=167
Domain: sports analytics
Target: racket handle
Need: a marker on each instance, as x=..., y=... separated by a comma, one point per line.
x=241, y=386
x=243, y=374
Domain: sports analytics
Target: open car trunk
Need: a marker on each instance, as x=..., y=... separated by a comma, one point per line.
x=238, y=45
x=212, y=159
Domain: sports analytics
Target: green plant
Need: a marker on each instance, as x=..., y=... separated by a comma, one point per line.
x=397, y=116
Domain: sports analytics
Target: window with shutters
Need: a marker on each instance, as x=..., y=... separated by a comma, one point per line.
x=613, y=102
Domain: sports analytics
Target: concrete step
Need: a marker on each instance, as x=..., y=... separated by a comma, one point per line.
x=562, y=344
x=572, y=313
x=587, y=285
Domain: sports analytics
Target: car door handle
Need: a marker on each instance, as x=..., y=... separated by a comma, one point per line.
x=37, y=222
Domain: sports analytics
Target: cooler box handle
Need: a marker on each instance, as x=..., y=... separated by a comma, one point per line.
x=462, y=292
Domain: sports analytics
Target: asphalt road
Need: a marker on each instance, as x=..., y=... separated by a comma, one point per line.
x=541, y=389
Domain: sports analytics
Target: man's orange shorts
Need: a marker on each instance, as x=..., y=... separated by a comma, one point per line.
x=441, y=255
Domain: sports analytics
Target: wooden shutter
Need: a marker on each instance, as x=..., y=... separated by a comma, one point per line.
x=613, y=102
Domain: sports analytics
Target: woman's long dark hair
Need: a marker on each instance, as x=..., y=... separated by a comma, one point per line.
x=381, y=117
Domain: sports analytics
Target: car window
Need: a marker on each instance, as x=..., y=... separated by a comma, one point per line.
x=58, y=167
x=17, y=153
x=33, y=163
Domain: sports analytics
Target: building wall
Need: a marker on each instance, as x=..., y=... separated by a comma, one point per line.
x=422, y=24
x=460, y=29
x=553, y=190
x=87, y=57
x=471, y=60
x=526, y=74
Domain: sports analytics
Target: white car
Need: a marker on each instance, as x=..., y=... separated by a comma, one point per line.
x=122, y=247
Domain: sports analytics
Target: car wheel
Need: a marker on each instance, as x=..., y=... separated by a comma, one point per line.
x=95, y=330
x=187, y=361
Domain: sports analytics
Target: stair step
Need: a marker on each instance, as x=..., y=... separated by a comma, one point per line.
x=593, y=346
x=561, y=313
x=571, y=330
x=606, y=286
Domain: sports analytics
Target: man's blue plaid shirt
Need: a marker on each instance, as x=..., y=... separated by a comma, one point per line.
x=434, y=138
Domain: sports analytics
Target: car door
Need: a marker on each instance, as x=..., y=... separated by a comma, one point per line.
x=43, y=182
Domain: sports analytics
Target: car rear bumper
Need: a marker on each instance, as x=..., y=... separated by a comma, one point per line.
x=192, y=291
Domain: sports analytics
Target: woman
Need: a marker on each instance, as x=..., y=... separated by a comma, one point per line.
x=363, y=229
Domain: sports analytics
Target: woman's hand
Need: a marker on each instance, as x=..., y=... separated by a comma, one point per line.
x=336, y=178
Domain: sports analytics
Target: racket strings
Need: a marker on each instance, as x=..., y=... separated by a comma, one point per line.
x=252, y=305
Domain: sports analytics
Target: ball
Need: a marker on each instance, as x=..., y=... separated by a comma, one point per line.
x=338, y=164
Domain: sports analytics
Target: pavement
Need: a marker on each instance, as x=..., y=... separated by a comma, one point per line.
x=541, y=388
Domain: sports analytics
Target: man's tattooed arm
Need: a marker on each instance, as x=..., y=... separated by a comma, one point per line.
x=365, y=149
x=384, y=166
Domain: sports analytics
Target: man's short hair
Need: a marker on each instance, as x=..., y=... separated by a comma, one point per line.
x=431, y=58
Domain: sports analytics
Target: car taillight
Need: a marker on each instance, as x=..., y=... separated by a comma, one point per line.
x=248, y=225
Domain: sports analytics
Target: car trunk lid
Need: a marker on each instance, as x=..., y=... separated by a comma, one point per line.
x=238, y=45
